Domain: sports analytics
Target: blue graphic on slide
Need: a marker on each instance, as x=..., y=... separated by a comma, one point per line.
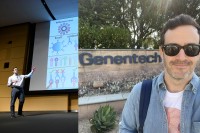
x=62, y=68
x=58, y=46
x=64, y=28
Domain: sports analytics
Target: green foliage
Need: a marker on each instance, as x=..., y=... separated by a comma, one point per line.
x=88, y=35
x=107, y=37
x=150, y=43
x=142, y=19
x=104, y=119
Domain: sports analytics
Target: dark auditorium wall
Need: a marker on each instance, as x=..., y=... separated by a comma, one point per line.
x=13, y=50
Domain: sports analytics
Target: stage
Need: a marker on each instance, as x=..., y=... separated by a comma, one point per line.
x=40, y=122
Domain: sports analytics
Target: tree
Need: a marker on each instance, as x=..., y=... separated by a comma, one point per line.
x=87, y=35
x=104, y=37
x=103, y=12
x=142, y=18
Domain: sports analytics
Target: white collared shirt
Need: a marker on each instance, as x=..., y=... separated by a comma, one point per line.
x=18, y=80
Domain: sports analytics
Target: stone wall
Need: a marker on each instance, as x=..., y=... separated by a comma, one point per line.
x=99, y=75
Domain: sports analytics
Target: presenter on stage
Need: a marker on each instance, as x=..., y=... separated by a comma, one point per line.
x=16, y=82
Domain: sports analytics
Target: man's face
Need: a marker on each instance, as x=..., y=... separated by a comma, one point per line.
x=180, y=66
x=15, y=71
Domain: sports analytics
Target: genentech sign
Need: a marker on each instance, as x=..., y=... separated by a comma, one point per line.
x=89, y=59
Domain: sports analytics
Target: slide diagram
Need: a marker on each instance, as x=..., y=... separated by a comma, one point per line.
x=62, y=66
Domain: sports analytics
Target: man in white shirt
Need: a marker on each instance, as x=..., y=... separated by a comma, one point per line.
x=16, y=82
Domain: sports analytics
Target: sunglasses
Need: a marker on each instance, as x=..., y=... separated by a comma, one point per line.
x=173, y=49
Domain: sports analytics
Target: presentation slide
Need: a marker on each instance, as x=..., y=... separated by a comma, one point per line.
x=62, y=66
x=55, y=55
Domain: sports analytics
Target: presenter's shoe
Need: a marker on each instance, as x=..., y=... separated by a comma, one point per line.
x=12, y=116
x=21, y=115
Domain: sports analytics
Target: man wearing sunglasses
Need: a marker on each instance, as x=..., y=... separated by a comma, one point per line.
x=174, y=105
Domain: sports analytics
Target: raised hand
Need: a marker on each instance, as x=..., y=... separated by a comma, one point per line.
x=33, y=68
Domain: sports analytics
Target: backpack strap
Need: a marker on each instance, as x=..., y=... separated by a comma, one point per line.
x=144, y=102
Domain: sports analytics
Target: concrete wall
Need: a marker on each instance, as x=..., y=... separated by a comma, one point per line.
x=97, y=72
x=91, y=76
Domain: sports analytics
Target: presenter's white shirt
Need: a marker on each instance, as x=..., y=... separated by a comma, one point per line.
x=18, y=80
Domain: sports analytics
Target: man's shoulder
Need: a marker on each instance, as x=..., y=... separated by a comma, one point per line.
x=135, y=92
x=11, y=76
x=137, y=87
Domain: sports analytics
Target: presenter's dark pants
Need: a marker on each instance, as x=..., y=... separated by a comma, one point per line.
x=17, y=92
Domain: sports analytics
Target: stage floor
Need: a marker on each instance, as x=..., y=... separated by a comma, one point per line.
x=40, y=122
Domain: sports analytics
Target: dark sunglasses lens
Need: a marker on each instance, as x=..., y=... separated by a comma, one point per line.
x=171, y=50
x=192, y=50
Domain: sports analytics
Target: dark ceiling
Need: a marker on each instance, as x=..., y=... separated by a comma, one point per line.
x=21, y=11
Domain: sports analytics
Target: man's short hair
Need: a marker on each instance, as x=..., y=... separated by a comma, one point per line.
x=14, y=68
x=179, y=20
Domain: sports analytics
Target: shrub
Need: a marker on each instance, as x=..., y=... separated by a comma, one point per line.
x=104, y=119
